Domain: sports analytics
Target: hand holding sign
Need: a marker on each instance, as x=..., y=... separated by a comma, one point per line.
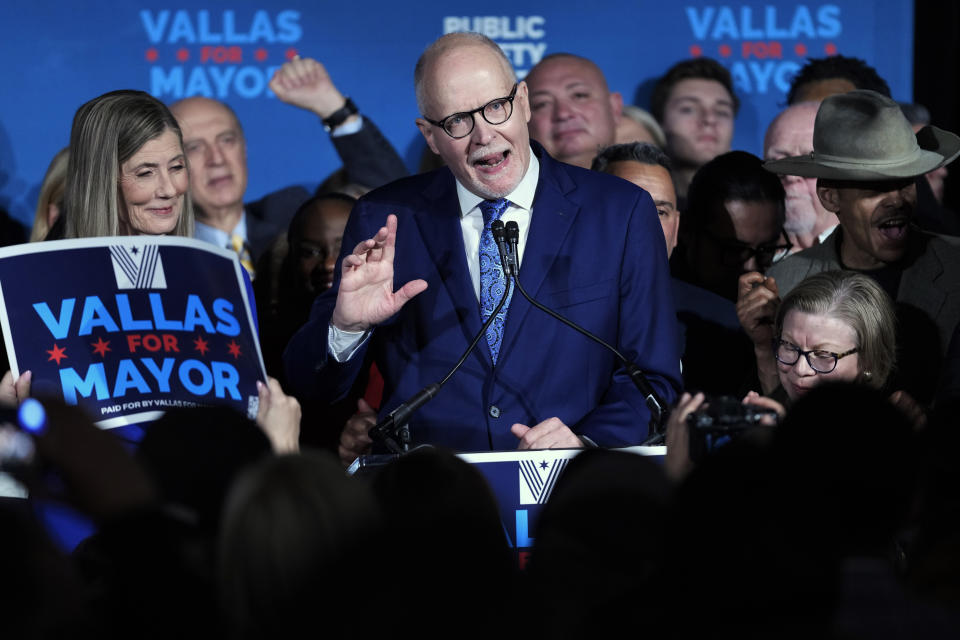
x=13, y=392
x=279, y=417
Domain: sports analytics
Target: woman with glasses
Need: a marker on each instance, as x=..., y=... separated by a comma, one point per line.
x=838, y=326
x=835, y=326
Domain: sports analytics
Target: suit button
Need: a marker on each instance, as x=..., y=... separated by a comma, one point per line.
x=494, y=411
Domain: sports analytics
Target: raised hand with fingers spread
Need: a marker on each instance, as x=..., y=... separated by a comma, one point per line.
x=366, y=296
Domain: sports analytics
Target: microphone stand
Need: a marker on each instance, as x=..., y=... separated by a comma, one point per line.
x=393, y=431
x=507, y=240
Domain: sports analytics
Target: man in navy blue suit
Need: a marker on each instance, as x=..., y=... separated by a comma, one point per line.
x=590, y=247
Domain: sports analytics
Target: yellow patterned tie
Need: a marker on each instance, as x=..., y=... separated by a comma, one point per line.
x=243, y=250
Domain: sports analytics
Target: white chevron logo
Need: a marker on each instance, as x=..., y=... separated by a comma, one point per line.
x=138, y=267
x=538, y=478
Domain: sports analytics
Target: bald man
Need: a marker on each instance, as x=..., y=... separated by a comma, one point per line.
x=216, y=148
x=418, y=278
x=573, y=112
x=791, y=134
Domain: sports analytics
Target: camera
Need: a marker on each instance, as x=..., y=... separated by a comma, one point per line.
x=721, y=419
x=726, y=414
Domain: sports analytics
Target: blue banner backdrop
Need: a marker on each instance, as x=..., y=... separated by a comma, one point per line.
x=127, y=327
x=60, y=54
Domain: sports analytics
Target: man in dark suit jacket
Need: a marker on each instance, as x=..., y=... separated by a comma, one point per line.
x=215, y=146
x=590, y=247
x=717, y=355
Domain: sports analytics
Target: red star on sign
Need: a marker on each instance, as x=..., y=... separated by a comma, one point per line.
x=200, y=345
x=260, y=54
x=696, y=51
x=800, y=48
x=234, y=349
x=291, y=53
x=101, y=347
x=57, y=354
x=151, y=55
x=725, y=50
x=830, y=49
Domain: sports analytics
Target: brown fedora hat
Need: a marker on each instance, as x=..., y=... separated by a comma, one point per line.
x=862, y=135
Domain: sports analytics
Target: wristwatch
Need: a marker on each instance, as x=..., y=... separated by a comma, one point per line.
x=339, y=116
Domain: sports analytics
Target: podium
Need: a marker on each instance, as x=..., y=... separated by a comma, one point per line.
x=522, y=482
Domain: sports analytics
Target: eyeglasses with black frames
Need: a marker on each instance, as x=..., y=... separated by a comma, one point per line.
x=460, y=125
x=735, y=253
x=820, y=360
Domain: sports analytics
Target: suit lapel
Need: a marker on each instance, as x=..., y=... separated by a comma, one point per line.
x=826, y=256
x=259, y=236
x=439, y=224
x=552, y=219
x=918, y=285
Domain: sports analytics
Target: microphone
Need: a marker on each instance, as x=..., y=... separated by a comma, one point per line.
x=393, y=431
x=508, y=257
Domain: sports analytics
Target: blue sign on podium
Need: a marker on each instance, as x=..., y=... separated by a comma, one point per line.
x=521, y=481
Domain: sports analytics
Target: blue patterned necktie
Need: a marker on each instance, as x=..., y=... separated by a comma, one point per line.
x=492, y=281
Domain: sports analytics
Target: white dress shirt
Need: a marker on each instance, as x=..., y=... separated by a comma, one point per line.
x=219, y=237
x=519, y=211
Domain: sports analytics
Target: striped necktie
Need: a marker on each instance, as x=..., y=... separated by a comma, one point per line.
x=243, y=250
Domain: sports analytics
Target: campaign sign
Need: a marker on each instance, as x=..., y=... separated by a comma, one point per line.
x=128, y=327
x=62, y=53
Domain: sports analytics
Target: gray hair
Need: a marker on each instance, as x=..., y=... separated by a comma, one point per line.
x=107, y=131
x=859, y=302
x=646, y=120
x=443, y=44
x=642, y=152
